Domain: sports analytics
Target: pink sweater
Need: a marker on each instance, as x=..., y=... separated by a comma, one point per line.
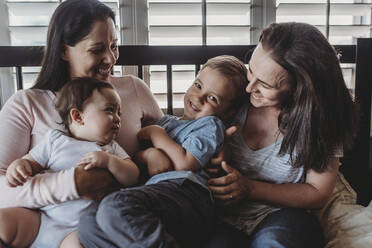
x=29, y=114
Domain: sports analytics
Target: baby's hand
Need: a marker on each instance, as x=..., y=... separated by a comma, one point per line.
x=18, y=172
x=95, y=159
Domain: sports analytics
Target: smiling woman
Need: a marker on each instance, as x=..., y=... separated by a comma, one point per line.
x=81, y=42
x=269, y=83
x=285, y=153
x=96, y=54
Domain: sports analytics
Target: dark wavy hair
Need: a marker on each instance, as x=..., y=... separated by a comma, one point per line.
x=75, y=93
x=319, y=116
x=71, y=22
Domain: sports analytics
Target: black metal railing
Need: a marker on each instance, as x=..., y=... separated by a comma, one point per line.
x=356, y=162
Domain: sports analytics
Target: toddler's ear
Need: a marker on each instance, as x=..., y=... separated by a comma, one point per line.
x=76, y=116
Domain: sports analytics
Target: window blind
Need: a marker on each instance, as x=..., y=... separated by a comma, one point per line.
x=180, y=23
x=28, y=25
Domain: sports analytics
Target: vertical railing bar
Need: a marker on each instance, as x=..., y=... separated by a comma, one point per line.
x=363, y=89
x=140, y=71
x=19, y=77
x=197, y=69
x=204, y=22
x=327, y=17
x=169, y=90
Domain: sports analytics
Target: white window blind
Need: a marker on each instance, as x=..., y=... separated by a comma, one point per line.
x=28, y=25
x=348, y=20
x=180, y=23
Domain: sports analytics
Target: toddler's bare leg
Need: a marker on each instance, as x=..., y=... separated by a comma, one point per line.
x=71, y=241
x=18, y=226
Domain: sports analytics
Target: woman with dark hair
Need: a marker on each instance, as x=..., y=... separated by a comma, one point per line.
x=81, y=42
x=285, y=153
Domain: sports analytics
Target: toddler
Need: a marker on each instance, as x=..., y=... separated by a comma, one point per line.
x=175, y=204
x=90, y=111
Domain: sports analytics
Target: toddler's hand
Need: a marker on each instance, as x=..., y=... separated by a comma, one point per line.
x=18, y=172
x=146, y=132
x=94, y=159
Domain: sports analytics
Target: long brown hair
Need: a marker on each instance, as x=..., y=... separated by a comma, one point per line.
x=319, y=116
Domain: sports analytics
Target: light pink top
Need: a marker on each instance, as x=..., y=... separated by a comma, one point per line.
x=29, y=114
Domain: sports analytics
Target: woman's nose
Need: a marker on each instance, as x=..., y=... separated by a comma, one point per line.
x=110, y=57
x=251, y=85
x=248, y=89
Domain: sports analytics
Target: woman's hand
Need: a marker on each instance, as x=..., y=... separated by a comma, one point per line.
x=95, y=183
x=232, y=187
x=214, y=166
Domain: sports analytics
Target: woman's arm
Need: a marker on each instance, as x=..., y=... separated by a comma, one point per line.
x=151, y=110
x=15, y=130
x=95, y=183
x=312, y=194
x=16, y=126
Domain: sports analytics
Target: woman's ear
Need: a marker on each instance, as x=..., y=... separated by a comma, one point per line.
x=65, y=53
x=76, y=116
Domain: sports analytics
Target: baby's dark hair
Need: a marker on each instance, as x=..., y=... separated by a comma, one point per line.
x=74, y=94
x=234, y=70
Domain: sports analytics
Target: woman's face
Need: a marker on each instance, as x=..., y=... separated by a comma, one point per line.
x=268, y=81
x=95, y=55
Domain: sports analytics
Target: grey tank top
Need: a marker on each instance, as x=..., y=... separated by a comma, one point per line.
x=264, y=165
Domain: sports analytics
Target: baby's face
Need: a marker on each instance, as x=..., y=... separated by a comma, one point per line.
x=101, y=117
x=210, y=94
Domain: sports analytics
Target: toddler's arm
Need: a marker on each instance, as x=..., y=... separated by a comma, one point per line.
x=125, y=171
x=22, y=169
x=180, y=158
x=154, y=159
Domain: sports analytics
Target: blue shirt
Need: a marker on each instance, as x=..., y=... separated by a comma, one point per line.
x=202, y=137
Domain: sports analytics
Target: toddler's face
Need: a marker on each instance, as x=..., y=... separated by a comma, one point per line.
x=210, y=94
x=101, y=117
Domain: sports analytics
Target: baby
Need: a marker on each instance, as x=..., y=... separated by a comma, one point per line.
x=90, y=111
x=176, y=205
